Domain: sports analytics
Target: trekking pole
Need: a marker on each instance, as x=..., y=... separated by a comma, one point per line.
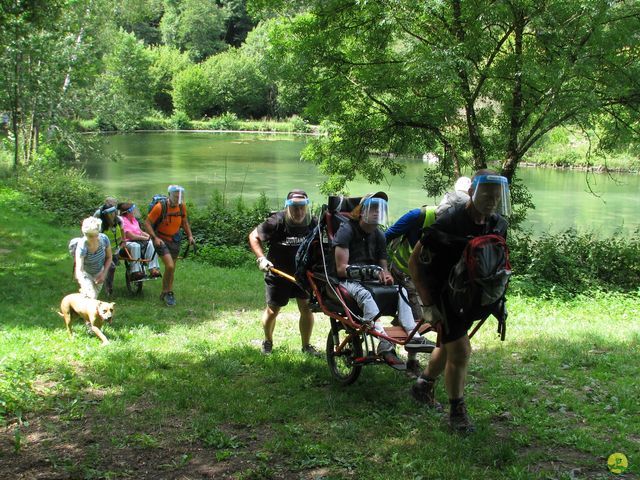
x=283, y=274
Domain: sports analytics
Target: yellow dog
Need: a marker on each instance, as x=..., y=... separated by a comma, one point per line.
x=93, y=311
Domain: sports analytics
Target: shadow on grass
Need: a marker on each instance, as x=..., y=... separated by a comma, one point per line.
x=528, y=399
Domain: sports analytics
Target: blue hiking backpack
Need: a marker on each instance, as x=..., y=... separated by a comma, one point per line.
x=163, y=200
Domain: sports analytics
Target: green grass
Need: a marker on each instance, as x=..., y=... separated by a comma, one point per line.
x=186, y=391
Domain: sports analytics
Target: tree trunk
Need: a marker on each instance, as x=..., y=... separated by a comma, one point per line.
x=15, y=112
x=515, y=122
x=67, y=78
x=479, y=157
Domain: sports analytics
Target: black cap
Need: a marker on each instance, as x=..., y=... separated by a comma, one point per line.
x=297, y=193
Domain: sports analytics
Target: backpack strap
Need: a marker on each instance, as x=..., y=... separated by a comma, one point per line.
x=163, y=213
x=429, y=212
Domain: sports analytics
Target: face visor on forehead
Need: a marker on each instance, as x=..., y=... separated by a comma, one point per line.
x=133, y=210
x=297, y=210
x=176, y=194
x=491, y=195
x=375, y=211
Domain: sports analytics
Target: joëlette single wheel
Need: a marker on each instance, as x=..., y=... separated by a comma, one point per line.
x=341, y=364
x=134, y=288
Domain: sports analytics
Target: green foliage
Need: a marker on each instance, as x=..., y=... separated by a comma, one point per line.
x=569, y=263
x=180, y=121
x=195, y=27
x=192, y=91
x=224, y=223
x=477, y=82
x=45, y=60
x=575, y=148
x=236, y=84
x=122, y=94
x=167, y=62
x=226, y=121
x=58, y=189
x=300, y=124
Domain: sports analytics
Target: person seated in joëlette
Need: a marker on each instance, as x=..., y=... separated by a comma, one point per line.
x=138, y=242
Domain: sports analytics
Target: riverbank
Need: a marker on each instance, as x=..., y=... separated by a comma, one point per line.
x=563, y=149
x=227, y=123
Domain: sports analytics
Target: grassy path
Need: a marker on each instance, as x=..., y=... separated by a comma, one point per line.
x=184, y=392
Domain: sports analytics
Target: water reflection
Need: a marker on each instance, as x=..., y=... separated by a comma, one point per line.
x=248, y=164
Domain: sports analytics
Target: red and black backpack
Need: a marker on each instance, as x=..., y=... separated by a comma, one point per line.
x=479, y=280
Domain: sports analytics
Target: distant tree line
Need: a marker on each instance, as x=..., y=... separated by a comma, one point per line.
x=474, y=83
x=121, y=61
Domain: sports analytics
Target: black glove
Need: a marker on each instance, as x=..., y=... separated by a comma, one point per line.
x=363, y=272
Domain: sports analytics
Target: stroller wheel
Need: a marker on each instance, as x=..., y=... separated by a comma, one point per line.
x=133, y=287
x=341, y=364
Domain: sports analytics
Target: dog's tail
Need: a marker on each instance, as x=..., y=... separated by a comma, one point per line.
x=61, y=314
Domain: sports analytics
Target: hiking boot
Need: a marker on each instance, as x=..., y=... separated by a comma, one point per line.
x=420, y=344
x=311, y=351
x=267, y=347
x=413, y=368
x=169, y=299
x=459, y=420
x=424, y=391
x=135, y=276
x=393, y=360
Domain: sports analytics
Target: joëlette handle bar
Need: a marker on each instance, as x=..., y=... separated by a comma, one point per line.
x=283, y=274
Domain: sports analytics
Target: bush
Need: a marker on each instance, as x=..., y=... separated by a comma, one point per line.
x=192, y=91
x=300, y=125
x=59, y=189
x=180, y=121
x=222, y=224
x=237, y=85
x=226, y=121
x=570, y=262
x=121, y=95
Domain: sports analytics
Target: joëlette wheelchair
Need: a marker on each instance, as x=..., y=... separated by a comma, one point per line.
x=134, y=286
x=350, y=342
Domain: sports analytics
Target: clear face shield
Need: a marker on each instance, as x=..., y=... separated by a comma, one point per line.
x=297, y=211
x=176, y=194
x=108, y=215
x=375, y=211
x=133, y=210
x=491, y=195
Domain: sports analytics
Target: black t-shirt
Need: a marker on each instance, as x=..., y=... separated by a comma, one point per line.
x=283, y=240
x=364, y=248
x=449, y=235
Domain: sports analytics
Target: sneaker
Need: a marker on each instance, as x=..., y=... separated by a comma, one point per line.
x=413, y=368
x=311, y=351
x=420, y=344
x=267, y=347
x=169, y=299
x=155, y=273
x=425, y=392
x=459, y=420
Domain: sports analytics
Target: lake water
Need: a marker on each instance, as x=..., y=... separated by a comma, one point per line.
x=248, y=164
